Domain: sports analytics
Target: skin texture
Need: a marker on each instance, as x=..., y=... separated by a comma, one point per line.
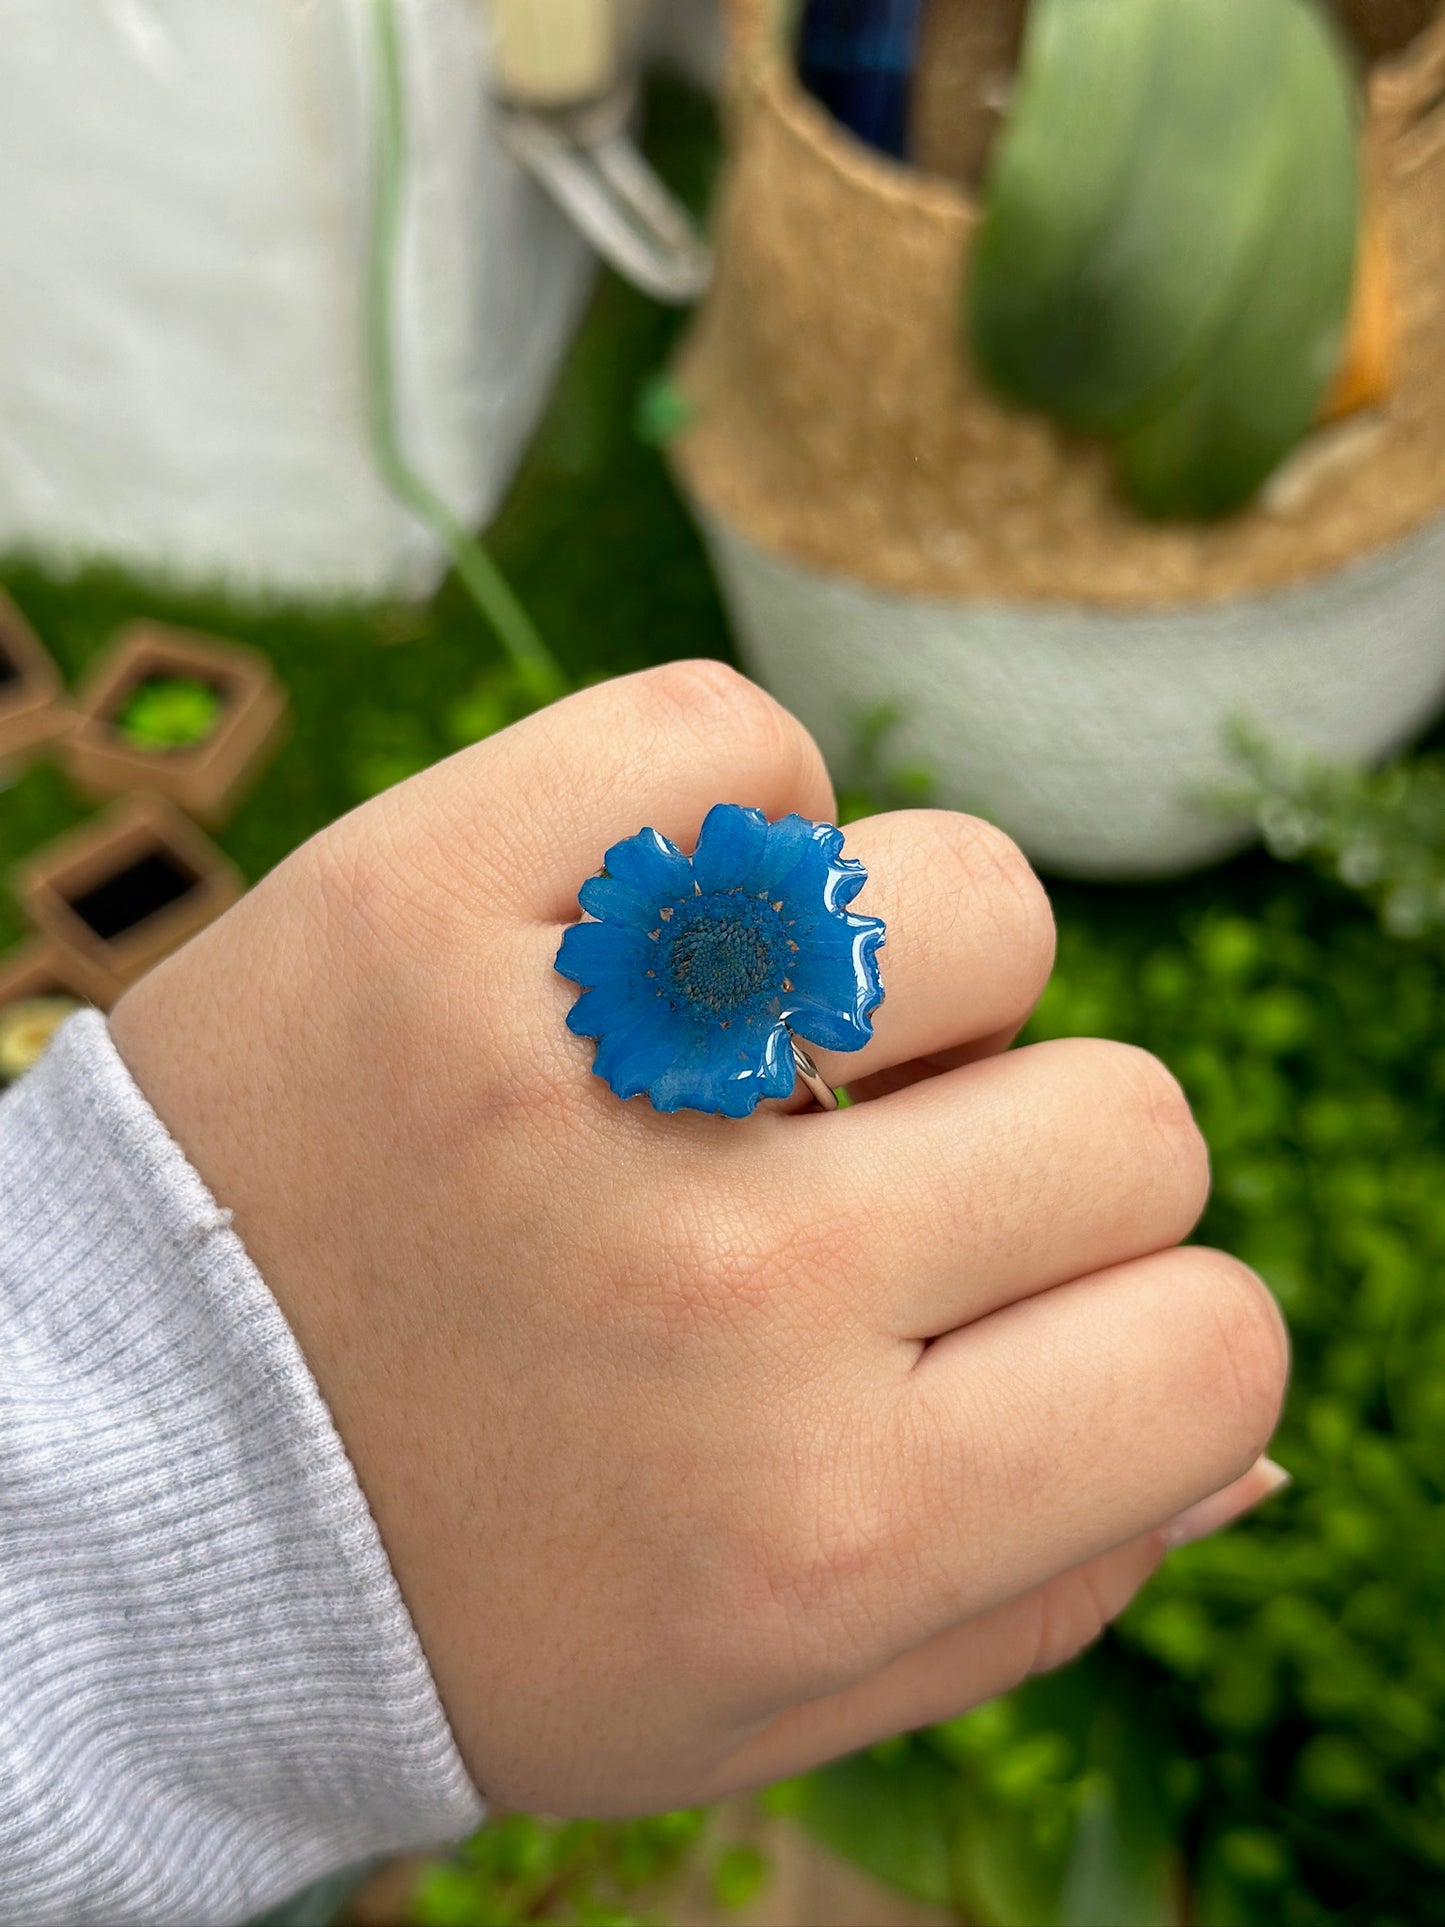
x=706, y=1450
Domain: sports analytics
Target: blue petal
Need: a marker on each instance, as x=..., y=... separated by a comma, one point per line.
x=717, y=1070
x=837, y=986
x=815, y=898
x=728, y=846
x=846, y=880
x=619, y=902
x=629, y=1060
x=615, y=1005
x=652, y=864
x=779, y=1073
x=789, y=841
x=835, y=937
x=825, y=1024
x=822, y=878
x=594, y=953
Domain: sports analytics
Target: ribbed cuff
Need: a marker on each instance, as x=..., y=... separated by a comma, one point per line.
x=211, y=1692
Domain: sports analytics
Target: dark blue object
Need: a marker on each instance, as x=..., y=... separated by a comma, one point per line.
x=699, y=967
x=857, y=57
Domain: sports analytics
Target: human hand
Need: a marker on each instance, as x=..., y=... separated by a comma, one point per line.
x=705, y=1450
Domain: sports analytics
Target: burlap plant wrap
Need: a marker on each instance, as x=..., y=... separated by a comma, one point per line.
x=840, y=421
x=842, y=446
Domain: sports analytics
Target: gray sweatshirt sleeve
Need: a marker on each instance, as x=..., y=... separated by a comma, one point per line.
x=211, y=1693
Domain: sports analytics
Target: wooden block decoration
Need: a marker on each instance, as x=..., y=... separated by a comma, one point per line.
x=38, y=992
x=121, y=745
x=123, y=891
x=32, y=695
x=39, y=969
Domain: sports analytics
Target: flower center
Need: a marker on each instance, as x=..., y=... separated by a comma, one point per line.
x=724, y=954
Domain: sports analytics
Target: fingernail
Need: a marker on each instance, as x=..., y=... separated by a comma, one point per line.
x=1263, y=1479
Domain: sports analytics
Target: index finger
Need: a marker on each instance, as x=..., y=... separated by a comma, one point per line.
x=530, y=813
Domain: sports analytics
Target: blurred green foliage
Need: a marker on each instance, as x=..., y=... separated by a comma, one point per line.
x=582, y=1871
x=1267, y=1728
x=1380, y=831
x=1305, y=1670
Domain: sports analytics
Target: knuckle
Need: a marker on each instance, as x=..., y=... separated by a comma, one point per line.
x=382, y=882
x=712, y=700
x=703, y=695
x=693, y=682
x=1154, y=1105
x=350, y=883
x=1009, y=889
x=721, y=1269
x=1001, y=859
x=1170, y=1119
x=819, y=1579
x=817, y=1570
x=1247, y=1355
x=1151, y=1089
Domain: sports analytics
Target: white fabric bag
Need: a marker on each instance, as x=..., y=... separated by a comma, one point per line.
x=183, y=252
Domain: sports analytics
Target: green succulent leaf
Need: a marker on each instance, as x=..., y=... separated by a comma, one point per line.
x=1169, y=233
x=1260, y=387
x=1060, y=172
x=1126, y=195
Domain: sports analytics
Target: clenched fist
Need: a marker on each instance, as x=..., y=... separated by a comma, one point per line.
x=704, y=1450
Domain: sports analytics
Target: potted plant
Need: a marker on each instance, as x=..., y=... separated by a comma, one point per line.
x=31, y=694
x=177, y=715
x=122, y=892
x=1067, y=578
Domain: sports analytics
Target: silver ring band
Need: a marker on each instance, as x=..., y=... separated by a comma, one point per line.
x=822, y=1093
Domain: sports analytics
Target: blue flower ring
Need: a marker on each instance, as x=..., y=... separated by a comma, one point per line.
x=701, y=972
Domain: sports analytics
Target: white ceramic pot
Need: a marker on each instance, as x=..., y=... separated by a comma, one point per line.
x=887, y=534
x=1092, y=736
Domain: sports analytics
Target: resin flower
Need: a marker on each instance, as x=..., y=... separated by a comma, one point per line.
x=698, y=968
